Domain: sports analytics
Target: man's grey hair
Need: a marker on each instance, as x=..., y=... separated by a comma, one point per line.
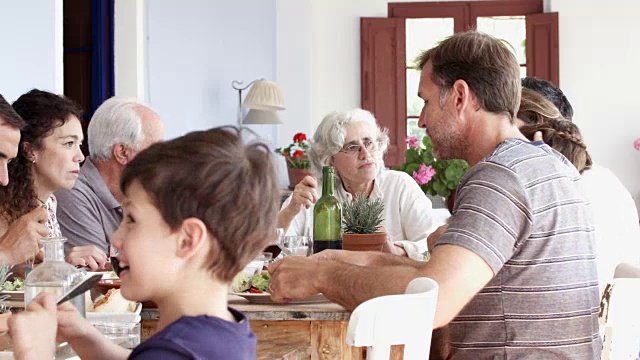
x=116, y=121
x=329, y=138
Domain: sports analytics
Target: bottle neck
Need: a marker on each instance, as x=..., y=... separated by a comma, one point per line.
x=327, y=182
x=53, y=250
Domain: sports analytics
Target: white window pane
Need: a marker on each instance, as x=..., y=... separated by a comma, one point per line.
x=513, y=29
x=414, y=130
x=414, y=103
x=423, y=34
x=523, y=72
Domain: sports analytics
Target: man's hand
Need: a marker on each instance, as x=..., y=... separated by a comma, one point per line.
x=33, y=332
x=293, y=277
x=20, y=242
x=390, y=248
x=434, y=236
x=88, y=255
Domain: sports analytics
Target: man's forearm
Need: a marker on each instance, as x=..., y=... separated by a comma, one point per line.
x=382, y=259
x=343, y=283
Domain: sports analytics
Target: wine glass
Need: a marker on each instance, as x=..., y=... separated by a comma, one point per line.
x=298, y=245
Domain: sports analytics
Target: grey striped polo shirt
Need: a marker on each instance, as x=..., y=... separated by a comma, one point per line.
x=522, y=211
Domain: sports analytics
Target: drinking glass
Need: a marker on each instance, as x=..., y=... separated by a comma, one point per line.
x=299, y=245
x=126, y=335
x=256, y=265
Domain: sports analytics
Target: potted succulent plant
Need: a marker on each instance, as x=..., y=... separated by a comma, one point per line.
x=5, y=312
x=361, y=219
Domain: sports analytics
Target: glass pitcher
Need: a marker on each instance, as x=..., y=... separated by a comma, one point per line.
x=54, y=275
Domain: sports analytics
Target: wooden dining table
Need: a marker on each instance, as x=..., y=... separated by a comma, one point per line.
x=288, y=331
x=291, y=331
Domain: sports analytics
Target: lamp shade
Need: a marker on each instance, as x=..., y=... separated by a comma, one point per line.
x=264, y=95
x=256, y=116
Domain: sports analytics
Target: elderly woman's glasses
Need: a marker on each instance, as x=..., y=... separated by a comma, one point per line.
x=354, y=149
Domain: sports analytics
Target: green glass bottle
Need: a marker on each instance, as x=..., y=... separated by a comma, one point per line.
x=327, y=216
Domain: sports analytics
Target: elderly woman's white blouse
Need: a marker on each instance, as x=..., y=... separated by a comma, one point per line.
x=408, y=215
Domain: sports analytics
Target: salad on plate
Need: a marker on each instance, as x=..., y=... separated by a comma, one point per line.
x=255, y=284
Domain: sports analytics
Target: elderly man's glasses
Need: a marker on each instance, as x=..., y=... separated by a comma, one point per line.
x=353, y=149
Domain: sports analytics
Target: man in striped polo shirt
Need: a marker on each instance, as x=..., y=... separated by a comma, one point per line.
x=516, y=266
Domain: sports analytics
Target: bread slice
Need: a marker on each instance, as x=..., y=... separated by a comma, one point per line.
x=113, y=301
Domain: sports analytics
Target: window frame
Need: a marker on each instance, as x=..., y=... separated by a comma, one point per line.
x=465, y=14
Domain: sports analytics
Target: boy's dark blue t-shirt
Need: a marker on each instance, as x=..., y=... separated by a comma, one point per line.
x=200, y=337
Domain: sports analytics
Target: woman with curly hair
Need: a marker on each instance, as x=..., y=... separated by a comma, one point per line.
x=48, y=160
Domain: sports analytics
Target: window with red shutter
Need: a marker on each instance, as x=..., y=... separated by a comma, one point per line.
x=388, y=82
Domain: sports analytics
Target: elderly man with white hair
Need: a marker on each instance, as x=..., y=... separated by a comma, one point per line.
x=354, y=144
x=90, y=212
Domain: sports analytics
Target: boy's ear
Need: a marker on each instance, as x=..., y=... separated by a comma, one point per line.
x=193, y=237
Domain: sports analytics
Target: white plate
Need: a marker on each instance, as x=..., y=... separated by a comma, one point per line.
x=122, y=317
x=265, y=298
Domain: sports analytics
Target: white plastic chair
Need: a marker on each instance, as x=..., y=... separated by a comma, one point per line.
x=394, y=320
x=621, y=318
x=627, y=270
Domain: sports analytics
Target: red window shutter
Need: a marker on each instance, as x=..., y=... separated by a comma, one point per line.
x=542, y=47
x=383, y=82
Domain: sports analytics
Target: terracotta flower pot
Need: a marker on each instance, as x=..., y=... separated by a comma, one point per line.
x=364, y=242
x=4, y=319
x=296, y=175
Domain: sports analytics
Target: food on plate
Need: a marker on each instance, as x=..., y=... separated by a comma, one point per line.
x=113, y=301
x=260, y=281
x=240, y=283
x=257, y=284
x=16, y=285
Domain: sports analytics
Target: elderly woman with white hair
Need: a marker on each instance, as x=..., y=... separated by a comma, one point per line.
x=354, y=144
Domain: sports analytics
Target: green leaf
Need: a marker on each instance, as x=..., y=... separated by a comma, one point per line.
x=427, y=158
x=411, y=168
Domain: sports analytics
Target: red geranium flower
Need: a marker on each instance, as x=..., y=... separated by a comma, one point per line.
x=298, y=154
x=299, y=137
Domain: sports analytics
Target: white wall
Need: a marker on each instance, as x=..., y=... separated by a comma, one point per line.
x=196, y=48
x=129, y=46
x=328, y=32
x=293, y=71
x=599, y=60
x=31, y=55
